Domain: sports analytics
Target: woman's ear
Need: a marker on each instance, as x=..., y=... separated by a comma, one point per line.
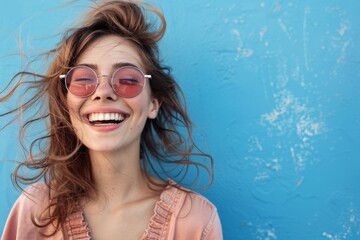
x=154, y=108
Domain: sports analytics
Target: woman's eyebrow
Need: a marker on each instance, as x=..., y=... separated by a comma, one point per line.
x=92, y=66
x=115, y=66
x=123, y=64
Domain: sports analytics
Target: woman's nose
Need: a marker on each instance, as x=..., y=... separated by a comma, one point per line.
x=104, y=90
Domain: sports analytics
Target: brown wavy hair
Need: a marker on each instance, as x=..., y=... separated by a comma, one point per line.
x=62, y=160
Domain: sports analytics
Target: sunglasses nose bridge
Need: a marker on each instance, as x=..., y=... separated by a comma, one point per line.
x=104, y=76
x=109, y=82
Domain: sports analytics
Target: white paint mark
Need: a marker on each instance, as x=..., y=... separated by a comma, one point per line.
x=262, y=4
x=265, y=233
x=284, y=28
x=341, y=58
x=280, y=110
x=299, y=161
x=255, y=144
x=262, y=178
x=247, y=52
x=329, y=236
x=292, y=126
x=306, y=127
x=282, y=77
x=282, y=25
x=299, y=77
x=300, y=182
x=262, y=33
x=277, y=7
x=236, y=33
x=343, y=28
x=241, y=51
x=291, y=117
x=273, y=116
x=350, y=224
x=273, y=165
x=306, y=37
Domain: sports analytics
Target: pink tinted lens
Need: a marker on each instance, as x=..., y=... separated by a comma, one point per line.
x=128, y=82
x=81, y=81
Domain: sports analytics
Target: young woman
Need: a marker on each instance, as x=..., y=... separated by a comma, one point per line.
x=113, y=113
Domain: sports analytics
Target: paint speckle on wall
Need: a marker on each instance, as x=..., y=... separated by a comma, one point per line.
x=242, y=52
x=277, y=7
x=349, y=224
x=292, y=126
x=305, y=40
x=266, y=232
x=342, y=29
x=262, y=33
x=291, y=117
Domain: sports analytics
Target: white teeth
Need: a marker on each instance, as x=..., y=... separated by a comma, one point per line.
x=93, y=117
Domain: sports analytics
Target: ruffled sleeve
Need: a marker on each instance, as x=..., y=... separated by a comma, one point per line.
x=75, y=227
x=163, y=212
x=183, y=214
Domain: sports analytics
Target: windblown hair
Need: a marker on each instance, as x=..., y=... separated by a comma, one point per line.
x=64, y=163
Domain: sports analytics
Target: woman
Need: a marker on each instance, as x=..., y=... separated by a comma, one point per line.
x=114, y=113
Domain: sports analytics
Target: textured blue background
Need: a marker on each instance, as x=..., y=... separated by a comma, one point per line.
x=273, y=87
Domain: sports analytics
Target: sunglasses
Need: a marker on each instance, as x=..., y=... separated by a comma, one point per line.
x=127, y=82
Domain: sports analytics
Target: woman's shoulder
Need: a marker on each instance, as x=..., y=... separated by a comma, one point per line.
x=35, y=195
x=30, y=204
x=37, y=188
x=32, y=201
x=193, y=202
x=194, y=206
x=182, y=197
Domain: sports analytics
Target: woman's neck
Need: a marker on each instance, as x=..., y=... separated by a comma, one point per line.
x=117, y=177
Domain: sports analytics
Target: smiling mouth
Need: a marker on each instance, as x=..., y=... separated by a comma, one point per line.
x=106, y=118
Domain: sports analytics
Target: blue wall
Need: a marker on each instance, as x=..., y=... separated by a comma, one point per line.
x=273, y=87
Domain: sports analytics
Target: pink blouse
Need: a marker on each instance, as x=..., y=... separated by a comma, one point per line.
x=178, y=215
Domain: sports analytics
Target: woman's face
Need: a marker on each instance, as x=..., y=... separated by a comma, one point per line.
x=103, y=56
